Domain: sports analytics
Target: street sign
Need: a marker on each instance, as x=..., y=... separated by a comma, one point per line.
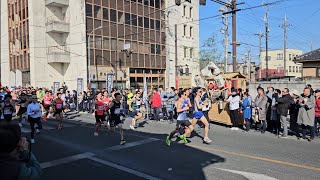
x=56, y=86
x=126, y=46
x=79, y=85
x=109, y=82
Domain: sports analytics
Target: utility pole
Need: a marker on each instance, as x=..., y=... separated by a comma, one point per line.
x=260, y=50
x=225, y=21
x=176, y=52
x=249, y=63
x=284, y=26
x=267, y=32
x=234, y=35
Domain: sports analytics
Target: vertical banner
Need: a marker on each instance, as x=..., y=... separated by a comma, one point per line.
x=79, y=85
x=56, y=86
x=145, y=95
x=109, y=82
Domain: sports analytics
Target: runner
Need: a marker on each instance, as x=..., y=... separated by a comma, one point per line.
x=34, y=115
x=100, y=109
x=183, y=127
x=106, y=102
x=58, y=110
x=7, y=108
x=46, y=104
x=198, y=115
x=22, y=108
x=115, y=114
x=135, y=109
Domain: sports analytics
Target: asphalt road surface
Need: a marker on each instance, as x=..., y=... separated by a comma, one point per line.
x=74, y=153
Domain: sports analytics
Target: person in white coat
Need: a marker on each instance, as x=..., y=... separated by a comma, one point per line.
x=234, y=103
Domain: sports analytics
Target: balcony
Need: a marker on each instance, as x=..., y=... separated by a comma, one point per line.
x=58, y=54
x=57, y=25
x=57, y=3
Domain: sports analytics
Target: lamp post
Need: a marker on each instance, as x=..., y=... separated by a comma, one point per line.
x=89, y=60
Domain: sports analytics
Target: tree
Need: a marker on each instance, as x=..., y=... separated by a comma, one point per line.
x=209, y=52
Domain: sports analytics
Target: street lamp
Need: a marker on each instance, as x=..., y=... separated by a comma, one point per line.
x=89, y=60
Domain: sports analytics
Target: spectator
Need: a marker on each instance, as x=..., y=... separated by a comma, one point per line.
x=156, y=104
x=234, y=101
x=274, y=123
x=261, y=105
x=246, y=110
x=283, y=108
x=294, y=110
x=310, y=87
x=317, y=112
x=306, y=114
x=16, y=161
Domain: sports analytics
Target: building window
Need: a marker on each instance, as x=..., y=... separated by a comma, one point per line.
x=158, y=49
x=289, y=68
x=140, y=21
x=190, y=13
x=153, y=49
x=146, y=2
x=184, y=10
x=134, y=20
x=113, y=15
x=184, y=30
x=146, y=22
x=191, y=52
x=290, y=56
x=297, y=69
x=157, y=25
x=152, y=3
x=151, y=23
x=293, y=69
x=280, y=56
x=185, y=52
x=191, y=29
x=89, y=10
x=300, y=69
x=127, y=18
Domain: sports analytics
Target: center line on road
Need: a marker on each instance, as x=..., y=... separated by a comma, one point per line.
x=258, y=158
x=131, y=171
x=132, y=144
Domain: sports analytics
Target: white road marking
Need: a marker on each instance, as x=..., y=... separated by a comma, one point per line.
x=66, y=160
x=249, y=175
x=45, y=126
x=131, y=171
x=131, y=144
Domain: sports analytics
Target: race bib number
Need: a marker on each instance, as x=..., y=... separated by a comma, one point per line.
x=59, y=106
x=7, y=111
x=47, y=102
x=117, y=111
x=100, y=108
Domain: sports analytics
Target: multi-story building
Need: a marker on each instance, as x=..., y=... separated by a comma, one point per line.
x=49, y=41
x=276, y=63
x=188, y=66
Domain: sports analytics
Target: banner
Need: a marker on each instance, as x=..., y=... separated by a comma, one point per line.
x=79, y=85
x=56, y=86
x=109, y=82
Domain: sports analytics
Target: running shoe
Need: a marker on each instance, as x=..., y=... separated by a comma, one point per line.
x=122, y=142
x=37, y=131
x=207, y=140
x=168, y=141
x=96, y=134
x=32, y=141
x=131, y=127
x=183, y=139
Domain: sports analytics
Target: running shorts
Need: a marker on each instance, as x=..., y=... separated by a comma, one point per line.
x=198, y=115
x=114, y=120
x=100, y=119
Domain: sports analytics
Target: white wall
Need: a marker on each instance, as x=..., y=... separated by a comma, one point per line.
x=5, y=66
x=176, y=16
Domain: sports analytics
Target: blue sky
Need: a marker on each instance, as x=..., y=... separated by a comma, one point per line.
x=303, y=17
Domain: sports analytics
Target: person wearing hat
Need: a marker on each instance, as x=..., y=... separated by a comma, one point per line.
x=234, y=102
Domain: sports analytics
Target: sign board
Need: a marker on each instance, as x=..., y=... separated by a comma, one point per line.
x=56, y=86
x=126, y=46
x=79, y=85
x=109, y=82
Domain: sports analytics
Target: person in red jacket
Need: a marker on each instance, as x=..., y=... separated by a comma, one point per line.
x=156, y=104
x=317, y=111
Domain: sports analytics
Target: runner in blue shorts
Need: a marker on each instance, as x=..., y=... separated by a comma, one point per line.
x=198, y=114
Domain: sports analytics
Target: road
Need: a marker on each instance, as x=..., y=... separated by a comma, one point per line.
x=75, y=153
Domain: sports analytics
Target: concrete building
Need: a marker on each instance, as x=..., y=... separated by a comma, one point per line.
x=45, y=41
x=276, y=63
x=242, y=67
x=187, y=42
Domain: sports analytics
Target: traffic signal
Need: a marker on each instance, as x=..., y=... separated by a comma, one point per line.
x=203, y=2
x=178, y=2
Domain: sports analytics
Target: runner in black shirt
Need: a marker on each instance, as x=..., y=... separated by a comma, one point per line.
x=115, y=113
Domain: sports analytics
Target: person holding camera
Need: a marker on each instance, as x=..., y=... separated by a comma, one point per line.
x=16, y=160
